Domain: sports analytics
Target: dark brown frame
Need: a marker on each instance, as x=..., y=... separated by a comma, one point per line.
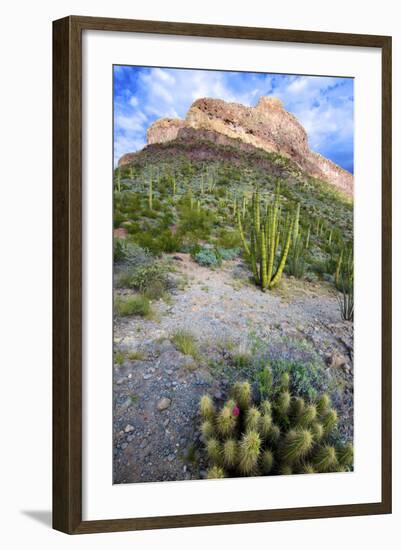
x=67, y=279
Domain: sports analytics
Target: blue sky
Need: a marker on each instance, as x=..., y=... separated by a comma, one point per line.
x=323, y=105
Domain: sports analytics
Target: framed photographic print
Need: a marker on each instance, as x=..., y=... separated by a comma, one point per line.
x=222, y=275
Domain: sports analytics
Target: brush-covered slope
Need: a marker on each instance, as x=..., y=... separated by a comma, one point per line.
x=267, y=127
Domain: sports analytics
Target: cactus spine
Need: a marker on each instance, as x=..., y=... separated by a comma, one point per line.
x=281, y=436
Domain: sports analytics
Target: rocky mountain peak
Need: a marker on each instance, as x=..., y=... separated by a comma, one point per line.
x=267, y=126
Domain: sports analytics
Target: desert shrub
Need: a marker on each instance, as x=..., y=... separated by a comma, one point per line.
x=132, y=305
x=228, y=253
x=199, y=222
x=207, y=257
x=150, y=279
x=229, y=239
x=169, y=241
x=149, y=242
x=130, y=253
x=118, y=218
x=186, y=343
x=119, y=250
x=307, y=378
x=282, y=435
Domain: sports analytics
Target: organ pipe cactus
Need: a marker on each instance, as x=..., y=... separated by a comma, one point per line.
x=281, y=436
x=270, y=240
x=150, y=194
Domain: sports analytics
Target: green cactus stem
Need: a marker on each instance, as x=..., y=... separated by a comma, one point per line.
x=150, y=194
x=267, y=461
x=214, y=450
x=230, y=453
x=215, y=472
x=206, y=407
x=325, y=459
x=249, y=452
x=297, y=444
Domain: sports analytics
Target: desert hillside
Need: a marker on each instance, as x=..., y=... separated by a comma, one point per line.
x=268, y=126
x=233, y=269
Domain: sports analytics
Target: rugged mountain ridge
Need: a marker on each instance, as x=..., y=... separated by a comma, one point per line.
x=268, y=126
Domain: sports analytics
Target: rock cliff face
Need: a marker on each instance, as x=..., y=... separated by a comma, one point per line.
x=267, y=126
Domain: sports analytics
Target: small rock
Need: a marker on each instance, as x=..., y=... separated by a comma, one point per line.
x=147, y=375
x=128, y=428
x=171, y=457
x=119, y=381
x=166, y=422
x=335, y=360
x=124, y=445
x=163, y=404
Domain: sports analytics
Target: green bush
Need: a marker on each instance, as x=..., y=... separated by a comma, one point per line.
x=150, y=279
x=207, y=257
x=228, y=253
x=130, y=253
x=282, y=435
x=132, y=305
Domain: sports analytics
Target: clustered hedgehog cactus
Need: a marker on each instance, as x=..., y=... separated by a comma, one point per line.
x=285, y=435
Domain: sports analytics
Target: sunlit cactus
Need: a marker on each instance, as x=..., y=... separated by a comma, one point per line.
x=323, y=404
x=297, y=443
x=307, y=417
x=207, y=430
x=230, y=453
x=307, y=468
x=252, y=419
x=284, y=402
x=214, y=450
x=329, y=421
x=215, y=472
x=269, y=240
x=226, y=419
x=345, y=455
x=317, y=431
x=206, y=407
x=283, y=435
x=264, y=425
x=249, y=453
x=242, y=394
x=325, y=459
x=265, y=407
x=298, y=407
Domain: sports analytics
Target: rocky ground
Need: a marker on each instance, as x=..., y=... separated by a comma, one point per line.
x=157, y=388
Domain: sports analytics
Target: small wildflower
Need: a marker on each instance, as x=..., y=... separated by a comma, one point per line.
x=235, y=410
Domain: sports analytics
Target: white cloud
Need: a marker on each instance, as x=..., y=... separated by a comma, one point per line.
x=323, y=106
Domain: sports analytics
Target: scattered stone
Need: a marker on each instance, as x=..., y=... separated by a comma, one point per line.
x=147, y=375
x=128, y=428
x=335, y=360
x=163, y=404
x=171, y=457
x=124, y=445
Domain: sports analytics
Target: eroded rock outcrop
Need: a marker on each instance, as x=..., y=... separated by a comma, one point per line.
x=267, y=126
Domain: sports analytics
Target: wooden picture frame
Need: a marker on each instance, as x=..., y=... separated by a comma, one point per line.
x=67, y=273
